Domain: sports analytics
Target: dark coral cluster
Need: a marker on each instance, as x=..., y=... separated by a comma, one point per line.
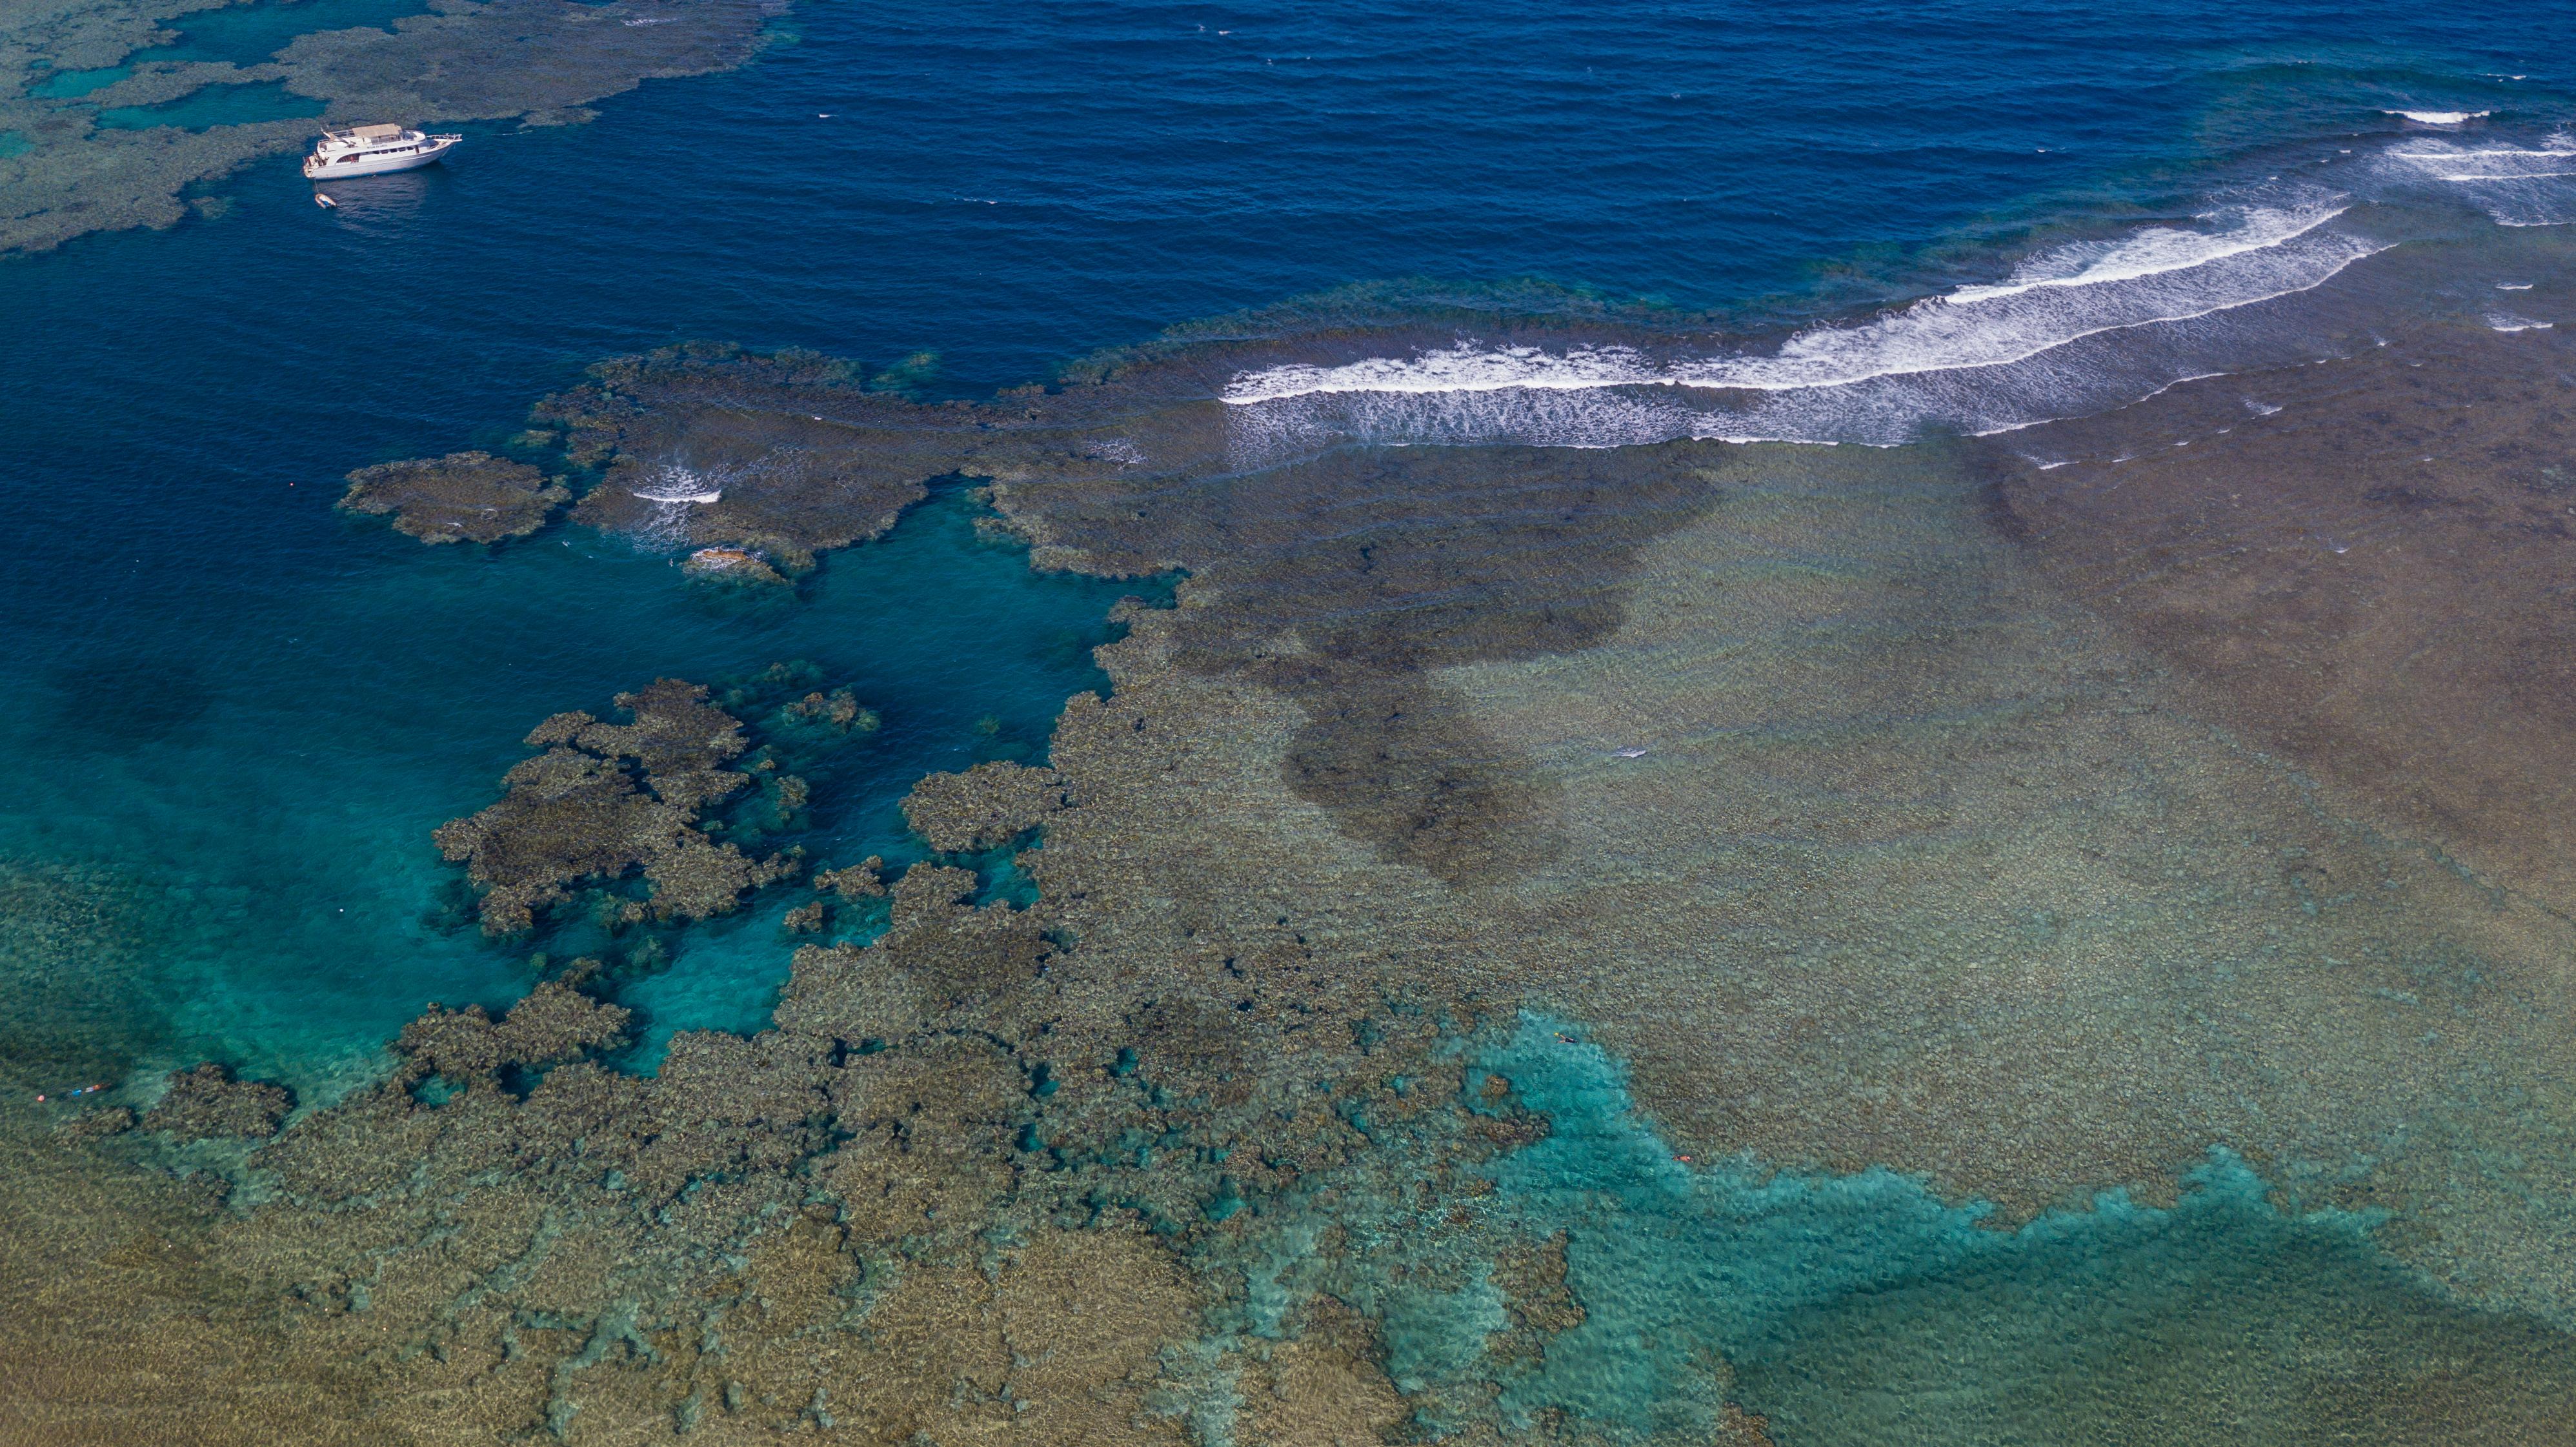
x=606, y=799
x=208, y=1103
x=464, y=497
x=756, y=461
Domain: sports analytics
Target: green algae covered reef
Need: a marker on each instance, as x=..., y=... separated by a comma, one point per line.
x=1691, y=943
x=538, y=60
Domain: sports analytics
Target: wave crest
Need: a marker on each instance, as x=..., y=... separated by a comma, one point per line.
x=2072, y=328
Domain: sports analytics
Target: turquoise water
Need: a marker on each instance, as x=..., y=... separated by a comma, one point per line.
x=216, y=105
x=269, y=792
x=235, y=715
x=249, y=34
x=1866, y=1309
x=68, y=84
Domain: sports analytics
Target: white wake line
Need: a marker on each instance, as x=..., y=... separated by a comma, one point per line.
x=1233, y=397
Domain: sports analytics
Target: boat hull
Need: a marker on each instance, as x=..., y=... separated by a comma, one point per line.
x=316, y=168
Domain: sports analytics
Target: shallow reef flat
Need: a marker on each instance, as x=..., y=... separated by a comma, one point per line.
x=464, y=497
x=541, y=61
x=2367, y=565
x=75, y=958
x=1681, y=943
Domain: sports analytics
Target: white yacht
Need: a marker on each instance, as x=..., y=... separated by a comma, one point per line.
x=373, y=150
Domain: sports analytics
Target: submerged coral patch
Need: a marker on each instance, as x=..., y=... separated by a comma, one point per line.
x=756, y=462
x=464, y=497
x=605, y=799
x=208, y=1102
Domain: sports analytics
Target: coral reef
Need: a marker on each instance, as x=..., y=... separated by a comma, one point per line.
x=765, y=458
x=605, y=799
x=1696, y=943
x=987, y=806
x=862, y=880
x=464, y=497
x=208, y=1103
x=555, y=1023
x=2378, y=590
x=1433, y=557
x=540, y=60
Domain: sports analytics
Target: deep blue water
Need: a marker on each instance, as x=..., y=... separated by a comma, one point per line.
x=253, y=710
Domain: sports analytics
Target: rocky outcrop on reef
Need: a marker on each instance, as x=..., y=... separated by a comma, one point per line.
x=605, y=799
x=464, y=497
x=207, y=1103
x=540, y=60
x=730, y=565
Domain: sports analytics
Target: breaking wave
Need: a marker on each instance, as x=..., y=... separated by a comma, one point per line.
x=2073, y=328
x=675, y=489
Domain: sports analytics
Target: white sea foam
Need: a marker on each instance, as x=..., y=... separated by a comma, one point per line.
x=675, y=492
x=2077, y=327
x=2160, y=275
x=2152, y=251
x=2507, y=323
x=2513, y=286
x=2516, y=185
x=674, y=489
x=2440, y=118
